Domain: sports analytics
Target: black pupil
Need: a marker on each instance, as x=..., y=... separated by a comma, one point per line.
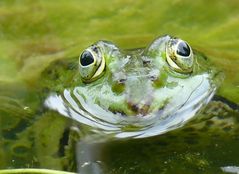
x=86, y=58
x=183, y=49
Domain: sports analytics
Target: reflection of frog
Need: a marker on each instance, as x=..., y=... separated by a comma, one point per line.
x=133, y=93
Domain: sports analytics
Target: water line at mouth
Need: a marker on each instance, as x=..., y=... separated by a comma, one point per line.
x=76, y=105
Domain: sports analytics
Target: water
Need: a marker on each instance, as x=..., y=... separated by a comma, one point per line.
x=32, y=31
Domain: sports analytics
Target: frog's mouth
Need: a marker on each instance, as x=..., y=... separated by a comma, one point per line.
x=75, y=106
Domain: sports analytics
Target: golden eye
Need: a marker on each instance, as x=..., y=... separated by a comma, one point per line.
x=179, y=56
x=91, y=63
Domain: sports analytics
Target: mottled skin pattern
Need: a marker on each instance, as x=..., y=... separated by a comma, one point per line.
x=36, y=136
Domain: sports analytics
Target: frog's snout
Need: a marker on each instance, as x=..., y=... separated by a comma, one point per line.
x=139, y=94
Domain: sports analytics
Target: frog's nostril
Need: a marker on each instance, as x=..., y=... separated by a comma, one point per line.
x=122, y=80
x=153, y=77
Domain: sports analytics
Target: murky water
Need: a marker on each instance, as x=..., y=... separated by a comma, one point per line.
x=35, y=33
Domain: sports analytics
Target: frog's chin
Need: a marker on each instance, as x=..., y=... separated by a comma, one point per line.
x=75, y=106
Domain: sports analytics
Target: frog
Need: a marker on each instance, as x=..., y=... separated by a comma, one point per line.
x=132, y=90
x=105, y=94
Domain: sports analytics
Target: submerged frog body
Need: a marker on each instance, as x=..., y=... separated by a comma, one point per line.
x=132, y=93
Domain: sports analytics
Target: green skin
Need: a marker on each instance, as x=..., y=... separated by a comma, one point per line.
x=135, y=90
x=139, y=83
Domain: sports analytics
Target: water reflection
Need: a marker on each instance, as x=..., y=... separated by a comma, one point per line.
x=230, y=169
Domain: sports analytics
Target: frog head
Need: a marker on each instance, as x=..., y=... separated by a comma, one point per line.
x=158, y=88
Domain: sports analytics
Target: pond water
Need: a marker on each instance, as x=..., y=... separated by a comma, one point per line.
x=35, y=33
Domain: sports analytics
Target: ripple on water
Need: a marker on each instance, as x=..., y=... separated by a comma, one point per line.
x=82, y=109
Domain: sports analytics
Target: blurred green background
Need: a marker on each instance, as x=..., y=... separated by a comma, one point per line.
x=31, y=30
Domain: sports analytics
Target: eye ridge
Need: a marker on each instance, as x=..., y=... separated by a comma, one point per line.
x=86, y=58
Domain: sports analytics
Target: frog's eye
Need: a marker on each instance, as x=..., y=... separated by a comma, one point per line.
x=92, y=63
x=179, y=56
